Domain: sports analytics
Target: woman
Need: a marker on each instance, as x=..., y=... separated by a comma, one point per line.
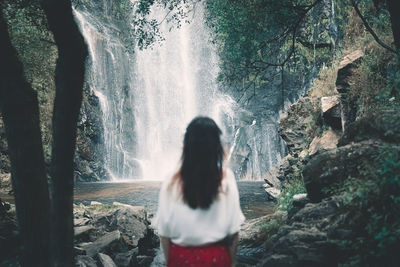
x=199, y=215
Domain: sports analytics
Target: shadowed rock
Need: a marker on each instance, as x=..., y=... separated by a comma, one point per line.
x=102, y=243
x=105, y=260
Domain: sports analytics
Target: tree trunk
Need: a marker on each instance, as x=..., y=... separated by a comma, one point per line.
x=20, y=111
x=394, y=10
x=70, y=69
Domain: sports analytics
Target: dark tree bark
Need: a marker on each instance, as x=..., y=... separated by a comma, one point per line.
x=70, y=69
x=20, y=111
x=394, y=10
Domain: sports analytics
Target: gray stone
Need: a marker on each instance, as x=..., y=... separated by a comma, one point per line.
x=139, y=211
x=102, y=243
x=84, y=261
x=336, y=165
x=329, y=140
x=143, y=260
x=273, y=193
x=343, y=82
x=331, y=111
x=125, y=259
x=105, y=260
x=293, y=127
x=81, y=221
x=271, y=178
x=79, y=230
x=384, y=126
x=128, y=221
x=299, y=197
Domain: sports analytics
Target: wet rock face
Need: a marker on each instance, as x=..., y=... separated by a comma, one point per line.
x=88, y=156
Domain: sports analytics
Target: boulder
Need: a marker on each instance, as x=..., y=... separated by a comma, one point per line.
x=84, y=261
x=81, y=221
x=143, y=260
x=105, y=260
x=343, y=81
x=273, y=193
x=329, y=140
x=306, y=239
x=80, y=230
x=129, y=221
x=126, y=259
x=299, y=201
x=102, y=243
x=331, y=111
x=336, y=165
x=293, y=128
x=384, y=126
x=139, y=211
x=271, y=178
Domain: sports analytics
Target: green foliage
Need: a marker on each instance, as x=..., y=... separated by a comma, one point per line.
x=293, y=187
x=38, y=53
x=270, y=227
x=372, y=201
x=255, y=37
x=377, y=79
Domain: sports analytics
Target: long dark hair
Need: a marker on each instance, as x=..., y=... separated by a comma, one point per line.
x=201, y=170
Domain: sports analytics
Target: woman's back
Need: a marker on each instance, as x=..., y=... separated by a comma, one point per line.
x=192, y=227
x=199, y=206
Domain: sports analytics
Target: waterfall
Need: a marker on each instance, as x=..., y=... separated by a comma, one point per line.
x=148, y=97
x=173, y=82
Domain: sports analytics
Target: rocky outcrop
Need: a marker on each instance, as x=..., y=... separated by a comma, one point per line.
x=113, y=235
x=88, y=156
x=331, y=110
x=306, y=240
x=384, y=126
x=343, y=81
x=345, y=192
x=298, y=126
x=337, y=165
x=328, y=140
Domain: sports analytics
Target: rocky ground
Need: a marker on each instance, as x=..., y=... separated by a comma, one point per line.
x=109, y=233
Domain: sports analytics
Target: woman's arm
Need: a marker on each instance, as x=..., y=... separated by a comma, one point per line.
x=233, y=241
x=165, y=242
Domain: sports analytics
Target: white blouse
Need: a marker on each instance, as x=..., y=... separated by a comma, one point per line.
x=192, y=227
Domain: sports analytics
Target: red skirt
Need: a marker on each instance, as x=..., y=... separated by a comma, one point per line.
x=209, y=255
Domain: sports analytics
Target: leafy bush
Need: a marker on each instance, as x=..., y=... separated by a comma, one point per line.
x=293, y=187
x=374, y=212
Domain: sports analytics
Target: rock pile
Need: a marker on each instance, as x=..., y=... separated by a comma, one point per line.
x=113, y=235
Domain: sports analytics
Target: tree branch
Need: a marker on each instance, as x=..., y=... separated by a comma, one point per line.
x=369, y=29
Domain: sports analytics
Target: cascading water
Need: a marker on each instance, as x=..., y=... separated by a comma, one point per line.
x=174, y=82
x=148, y=97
